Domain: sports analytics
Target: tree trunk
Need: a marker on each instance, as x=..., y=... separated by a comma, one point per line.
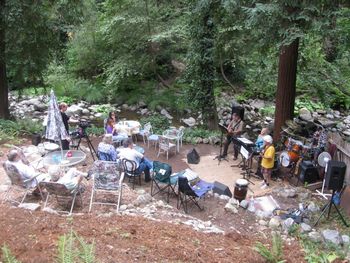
x=285, y=95
x=4, y=105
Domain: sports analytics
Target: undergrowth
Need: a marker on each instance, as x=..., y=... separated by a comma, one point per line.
x=273, y=255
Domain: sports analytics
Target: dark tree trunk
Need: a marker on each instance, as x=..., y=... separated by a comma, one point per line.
x=285, y=95
x=4, y=105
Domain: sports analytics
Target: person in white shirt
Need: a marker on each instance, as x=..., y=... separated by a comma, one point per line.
x=142, y=163
x=25, y=170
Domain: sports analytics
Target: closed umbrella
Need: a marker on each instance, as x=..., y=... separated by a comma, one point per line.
x=55, y=129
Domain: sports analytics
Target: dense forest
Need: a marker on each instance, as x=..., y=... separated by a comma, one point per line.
x=179, y=53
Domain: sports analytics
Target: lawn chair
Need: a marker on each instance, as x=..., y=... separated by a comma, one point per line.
x=103, y=156
x=165, y=146
x=17, y=183
x=107, y=178
x=193, y=194
x=162, y=180
x=130, y=170
x=63, y=195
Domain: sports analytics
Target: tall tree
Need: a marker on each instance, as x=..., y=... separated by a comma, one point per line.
x=4, y=109
x=202, y=69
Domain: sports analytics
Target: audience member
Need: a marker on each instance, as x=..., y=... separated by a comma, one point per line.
x=106, y=146
x=142, y=163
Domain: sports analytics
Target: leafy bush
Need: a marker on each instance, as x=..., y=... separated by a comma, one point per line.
x=273, y=255
x=7, y=256
x=159, y=123
x=11, y=130
x=95, y=130
x=268, y=111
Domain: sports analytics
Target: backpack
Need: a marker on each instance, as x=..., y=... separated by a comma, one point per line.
x=193, y=157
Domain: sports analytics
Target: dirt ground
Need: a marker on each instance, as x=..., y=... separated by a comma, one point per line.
x=32, y=236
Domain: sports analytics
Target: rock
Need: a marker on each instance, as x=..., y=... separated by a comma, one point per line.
x=143, y=199
x=189, y=122
x=269, y=119
x=312, y=207
x=315, y=237
x=161, y=203
x=346, y=239
x=262, y=222
x=30, y=206
x=288, y=193
x=329, y=116
x=74, y=109
x=274, y=222
x=123, y=208
x=50, y=210
x=206, y=141
x=140, y=192
x=40, y=107
x=98, y=115
x=232, y=200
x=332, y=236
x=85, y=112
x=305, y=114
x=346, y=132
x=244, y=204
x=144, y=111
x=4, y=188
x=166, y=114
x=326, y=122
x=287, y=224
x=258, y=104
x=231, y=208
x=305, y=228
x=303, y=195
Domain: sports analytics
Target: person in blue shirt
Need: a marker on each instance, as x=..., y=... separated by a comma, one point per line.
x=106, y=148
x=259, y=146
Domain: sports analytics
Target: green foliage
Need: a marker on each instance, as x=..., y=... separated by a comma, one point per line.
x=72, y=248
x=267, y=111
x=95, y=130
x=313, y=253
x=199, y=133
x=159, y=123
x=11, y=130
x=273, y=255
x=7, y=256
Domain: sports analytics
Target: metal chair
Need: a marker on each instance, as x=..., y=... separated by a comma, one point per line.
x=165, y=146
x=130, y=171
x=193, y=194
x=147, y=134
x=161, y=179
x=17, y=183
x=107, y=179
x=62, y=194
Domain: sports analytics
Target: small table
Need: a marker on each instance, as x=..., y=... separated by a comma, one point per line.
x=55, y=158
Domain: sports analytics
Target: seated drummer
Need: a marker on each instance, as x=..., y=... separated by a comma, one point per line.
x=234, y=129
x=268, y=161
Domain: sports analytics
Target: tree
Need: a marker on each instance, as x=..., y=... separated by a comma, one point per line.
x=201, y=68
x=4, y=109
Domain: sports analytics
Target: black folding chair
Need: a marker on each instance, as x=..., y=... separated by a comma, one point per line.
x=161, y=179
x=130, y=170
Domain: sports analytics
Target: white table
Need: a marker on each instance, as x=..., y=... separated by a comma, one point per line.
x=55, y=158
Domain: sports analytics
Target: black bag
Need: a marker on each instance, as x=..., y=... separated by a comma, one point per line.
x=193, y=157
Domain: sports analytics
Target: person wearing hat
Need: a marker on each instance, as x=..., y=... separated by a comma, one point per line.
x=268, y=160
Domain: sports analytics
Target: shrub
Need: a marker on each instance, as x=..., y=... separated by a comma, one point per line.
x=159, y=123
x=273, y=255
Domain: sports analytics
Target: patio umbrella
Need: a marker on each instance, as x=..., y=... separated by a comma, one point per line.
x=55, y=129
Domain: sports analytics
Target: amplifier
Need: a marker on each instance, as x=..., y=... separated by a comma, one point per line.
x=308, y=172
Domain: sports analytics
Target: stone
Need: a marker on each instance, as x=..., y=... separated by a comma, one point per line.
x=231, y=208
x=262, y=222
x=85, y=112
x=315, y=237
x=4, y=188
x=244, y=204
x=287, y=224
x=40, y=107
x=123, y=208
x=160, y=203
x=332, y=236
x=346, y=239
x=30, y=206
x=312, y=207
x=329, y=116
x=189, y=122
x=305, y=228
x=269, y=119
x=258, y=104
x=346, y=132
x=305, y=114
x=74, y=109
x=166, y=114
x=303, y=195
x=140, y=191
x=274, y=222
x=50, y=210
x=143, y=199
x=144, y=111
x=288, y=193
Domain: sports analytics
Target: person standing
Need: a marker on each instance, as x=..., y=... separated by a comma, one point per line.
x=63, y=108
x=234, y=129
x=268, y=160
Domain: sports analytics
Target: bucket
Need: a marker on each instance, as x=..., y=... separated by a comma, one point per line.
x=241, y=189
x=36, y=139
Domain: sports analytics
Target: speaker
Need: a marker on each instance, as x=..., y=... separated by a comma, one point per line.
x=221, y=189
x=308, y=172
x=239, y=110
x=335, y=175
x=193, y=156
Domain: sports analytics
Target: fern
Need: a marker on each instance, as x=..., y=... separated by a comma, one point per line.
x=7, y=256
x=87, y=251
x=275, y=255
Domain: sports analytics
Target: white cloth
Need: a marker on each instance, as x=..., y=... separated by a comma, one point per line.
x=70, y=179
x=131, y=154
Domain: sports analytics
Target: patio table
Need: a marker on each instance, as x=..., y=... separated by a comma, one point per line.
x=55, y=158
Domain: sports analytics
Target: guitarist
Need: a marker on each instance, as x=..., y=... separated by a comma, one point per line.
x=234, y=129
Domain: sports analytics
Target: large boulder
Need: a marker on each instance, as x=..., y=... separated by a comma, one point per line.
x=305, y=114
x=190, y=121
x=74, y=110
x=332, y=236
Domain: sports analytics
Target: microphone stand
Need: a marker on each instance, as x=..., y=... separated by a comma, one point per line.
x=220, y=157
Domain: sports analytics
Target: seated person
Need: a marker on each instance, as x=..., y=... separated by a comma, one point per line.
x=70, y=180
x=106, y=147
x=26, y=171
x=110, y=127
x=142, y=163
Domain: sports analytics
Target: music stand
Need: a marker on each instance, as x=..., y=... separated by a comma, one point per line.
x=223, y=130
x=246, y=169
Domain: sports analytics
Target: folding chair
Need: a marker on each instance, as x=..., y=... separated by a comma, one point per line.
x=130, y=170
x=162, y=180
x=62, y=194
x=104, y=156
x=17, y=183
x=187, y=193
x=107, y=178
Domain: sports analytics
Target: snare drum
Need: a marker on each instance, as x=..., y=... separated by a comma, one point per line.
x=287, y=158
x=241, y=189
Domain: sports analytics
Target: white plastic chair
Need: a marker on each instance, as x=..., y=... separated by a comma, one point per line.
x=147, y=134
x=165, y=146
